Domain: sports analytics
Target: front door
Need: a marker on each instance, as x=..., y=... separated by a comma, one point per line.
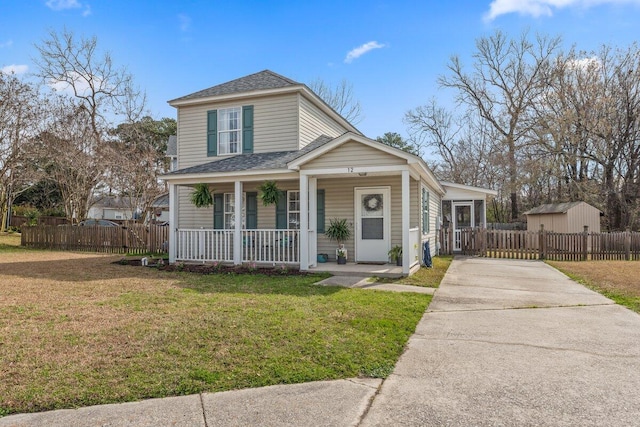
x=462, y=218
x=373, y=224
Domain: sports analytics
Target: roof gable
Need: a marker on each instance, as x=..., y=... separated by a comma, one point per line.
x=263, y=80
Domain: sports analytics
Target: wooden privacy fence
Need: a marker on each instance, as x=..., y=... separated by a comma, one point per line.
x=133, y=238
x=543, y=244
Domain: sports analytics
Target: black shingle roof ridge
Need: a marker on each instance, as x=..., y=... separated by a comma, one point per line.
x=255, y=81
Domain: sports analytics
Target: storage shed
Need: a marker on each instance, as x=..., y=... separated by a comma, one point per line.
x=570, y=217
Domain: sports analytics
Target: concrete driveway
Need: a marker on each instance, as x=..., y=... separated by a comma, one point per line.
x=509, y=342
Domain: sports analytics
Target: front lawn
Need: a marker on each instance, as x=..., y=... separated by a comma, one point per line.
x=618, y=280
x=425, y=277
x=77, y=330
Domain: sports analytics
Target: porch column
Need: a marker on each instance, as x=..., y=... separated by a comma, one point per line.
x=406, y=212
x=313, y=221
x=304, y=222
x=173, y=222
x=237, y=236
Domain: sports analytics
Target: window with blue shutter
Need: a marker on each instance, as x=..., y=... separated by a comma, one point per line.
x=212, y=133
x=218, y=211
x=320, y=211
x=247, y=129
x=252, y=211
x=281, y=211
x=230, y=131
x=425, y=211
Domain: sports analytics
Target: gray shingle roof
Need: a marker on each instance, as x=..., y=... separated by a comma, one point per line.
x=262, y=80
x=552, y=208
x=254, y=161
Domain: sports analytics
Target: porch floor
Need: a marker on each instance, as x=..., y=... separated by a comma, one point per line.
x=358, y=270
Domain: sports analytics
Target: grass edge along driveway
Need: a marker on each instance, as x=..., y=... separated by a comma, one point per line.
x=73, y=336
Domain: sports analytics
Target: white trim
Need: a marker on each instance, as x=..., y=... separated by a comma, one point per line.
x=303, y=193
x=237, y=237
x=313, y=222
x=469, y=188
x=238, y=130
x=259, y=175
x=406, y=219
x=173, y=222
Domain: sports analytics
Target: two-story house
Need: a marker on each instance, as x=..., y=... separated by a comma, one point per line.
x=265, y=127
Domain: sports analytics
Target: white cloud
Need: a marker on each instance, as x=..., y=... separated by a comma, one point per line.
x=538, y=8
x=69, y=4
x=81, y=84
x=14, y=69
x=361, y=50
x=8, y=43
x=63, y=4
x=185, y=22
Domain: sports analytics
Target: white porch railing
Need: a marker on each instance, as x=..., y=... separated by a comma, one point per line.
x=263, y=246
x=204, y=245
x=414, y=246
x=271, y=246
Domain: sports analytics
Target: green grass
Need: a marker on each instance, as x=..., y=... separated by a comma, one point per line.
x=425, y=277
x=120, y=333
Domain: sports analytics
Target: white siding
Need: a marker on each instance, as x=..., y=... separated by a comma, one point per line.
x=352, y=154
x=275, y=124
x=314, y=122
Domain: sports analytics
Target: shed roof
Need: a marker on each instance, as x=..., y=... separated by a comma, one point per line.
x=262, y=80
x=553, y=208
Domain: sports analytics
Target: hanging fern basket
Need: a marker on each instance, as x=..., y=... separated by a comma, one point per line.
x=201, y=196
x=269, y=193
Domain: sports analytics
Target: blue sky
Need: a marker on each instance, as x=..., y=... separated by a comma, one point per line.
x=391, y=51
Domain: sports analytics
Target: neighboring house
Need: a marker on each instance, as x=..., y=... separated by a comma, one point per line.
x=159, y=209
x=112, y=208
x=172, y=152
x=464, y=206
x=266, y=127
x=570, y=217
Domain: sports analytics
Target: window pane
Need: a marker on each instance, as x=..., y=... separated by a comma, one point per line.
x=372, y=228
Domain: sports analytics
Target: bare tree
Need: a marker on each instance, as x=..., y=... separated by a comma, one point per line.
x=340, y=98
x=98, y=92
x=507, y=78
x=20, y=111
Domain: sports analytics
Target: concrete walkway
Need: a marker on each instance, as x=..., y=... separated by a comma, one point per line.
x=482, y=356
x=503, y=343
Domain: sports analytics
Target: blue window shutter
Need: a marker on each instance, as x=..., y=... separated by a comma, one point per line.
x=218, y=211
x=247, y=129
x=212, y=133
x=425, y=211
x=320, y=211
x=281, y=212
x=252, y=211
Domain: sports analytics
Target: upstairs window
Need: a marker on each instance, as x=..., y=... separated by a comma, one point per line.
x=229, y=130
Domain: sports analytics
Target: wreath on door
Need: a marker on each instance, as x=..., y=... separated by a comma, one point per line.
x=372, y=202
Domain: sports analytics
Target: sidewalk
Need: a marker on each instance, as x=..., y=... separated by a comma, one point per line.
x=503, y=343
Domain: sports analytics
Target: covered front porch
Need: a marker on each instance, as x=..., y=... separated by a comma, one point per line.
x=382, y=193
